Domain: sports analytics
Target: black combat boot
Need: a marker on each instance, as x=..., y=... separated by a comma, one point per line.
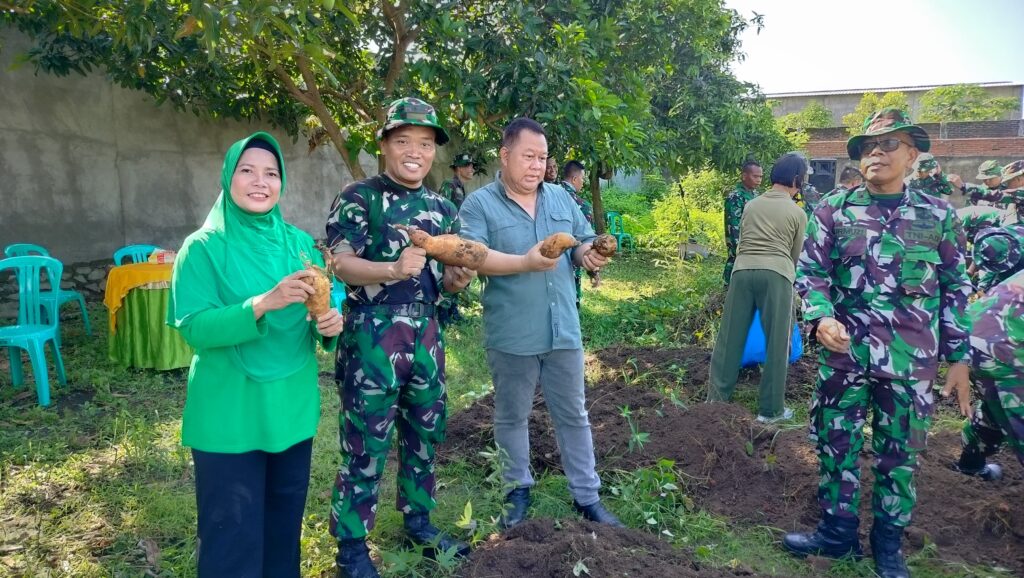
x=354, y=560
x=834, y=537
x=885, y=547
x=420, y=531
x=972, y=463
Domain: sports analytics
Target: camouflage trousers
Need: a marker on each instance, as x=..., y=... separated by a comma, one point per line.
x=901, y=414
x=998, y=416
x=390, y=369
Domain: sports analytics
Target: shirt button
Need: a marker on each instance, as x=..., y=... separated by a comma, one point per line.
x=552, y=304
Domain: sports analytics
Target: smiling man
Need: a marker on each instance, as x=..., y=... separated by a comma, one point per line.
x=885, y=291
x=391, y=366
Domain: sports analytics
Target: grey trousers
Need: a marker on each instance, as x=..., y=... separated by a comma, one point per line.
x=560, y=375
x=772, y=294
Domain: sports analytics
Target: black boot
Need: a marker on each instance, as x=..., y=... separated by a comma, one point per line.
x=516, y=503
x=835, y=537
x=596, y=512
x=885, y=547
x=420, y=531
x=972, y=463
x=354, y=560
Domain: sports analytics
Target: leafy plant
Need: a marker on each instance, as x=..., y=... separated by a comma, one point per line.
x=963, y=102
x=637, y=438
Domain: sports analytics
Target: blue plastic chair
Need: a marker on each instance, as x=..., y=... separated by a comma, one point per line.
x=137, y=253
x=34, y=329
x=63, y=295
x=615, y=229
x=337, y=294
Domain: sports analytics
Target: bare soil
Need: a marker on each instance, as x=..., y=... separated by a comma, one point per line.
x=745, y=471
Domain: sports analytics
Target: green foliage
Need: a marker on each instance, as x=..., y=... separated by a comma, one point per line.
x=706, y=188
x=870, y=103
x=678, y=221
x=814, y=115
x=963, y=102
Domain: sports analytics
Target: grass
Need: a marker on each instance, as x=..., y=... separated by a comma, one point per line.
x=99, y=485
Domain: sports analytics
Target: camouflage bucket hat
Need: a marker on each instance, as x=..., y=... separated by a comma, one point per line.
x=1014, y=169
x=414, y=111
x=996, y=251
x=989, y=170
x=886, y=121
x=926, y=162
x=462, y=160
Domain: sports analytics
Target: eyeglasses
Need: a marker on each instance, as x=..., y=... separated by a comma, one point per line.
x=886, y=144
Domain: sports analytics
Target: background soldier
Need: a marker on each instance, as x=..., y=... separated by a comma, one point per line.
x=390, y=365
x=454, y=189
x=884, y=288
x=1013, y=183
x=849, y=179
x=998, y=255
x=990, y=173
x=573, y=177
x=551, y=170
x=997, y=346
x=735, y=201
x=930, y=179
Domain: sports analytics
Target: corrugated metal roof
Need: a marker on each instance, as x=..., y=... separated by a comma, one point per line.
x=1002, y=84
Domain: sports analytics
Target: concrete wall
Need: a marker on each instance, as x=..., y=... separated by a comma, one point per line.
x=88, y=167
x=843, y=104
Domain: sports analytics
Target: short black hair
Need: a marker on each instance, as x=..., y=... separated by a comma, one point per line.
x=516, y=128
x=849, y=175
x=789, y=171
x=749, y=165
x=571, y=169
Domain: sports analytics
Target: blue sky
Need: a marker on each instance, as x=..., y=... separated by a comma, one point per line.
x=834, y=44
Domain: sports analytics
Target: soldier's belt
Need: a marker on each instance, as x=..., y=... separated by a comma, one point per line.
x=416, y=309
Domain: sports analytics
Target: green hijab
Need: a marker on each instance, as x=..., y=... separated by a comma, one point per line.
x=237, y=255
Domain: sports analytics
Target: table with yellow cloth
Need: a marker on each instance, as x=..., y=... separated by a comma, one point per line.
x=136, y=299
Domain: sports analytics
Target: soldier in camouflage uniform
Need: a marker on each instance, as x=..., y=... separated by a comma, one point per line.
x=976, y=223
x=1013, y=183
x=930, y=179
x=454, y=189
x=573, y=177
x=998, y=255
x=990, y=173
x=808, y=197
x=997, y=347
x=885, y=290
x=735, y=201
x=391, y=363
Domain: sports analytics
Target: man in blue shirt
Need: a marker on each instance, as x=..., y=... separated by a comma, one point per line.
x=531, y=324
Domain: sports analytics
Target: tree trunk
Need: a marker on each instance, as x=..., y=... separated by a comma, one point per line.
x=595, y=195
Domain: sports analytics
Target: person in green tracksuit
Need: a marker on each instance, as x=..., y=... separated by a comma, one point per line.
x=253, y=403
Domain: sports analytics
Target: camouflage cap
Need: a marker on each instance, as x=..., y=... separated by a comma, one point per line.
x=414, y=111
x=1012, y=170
x=989, y=170
x=886, y=121
x=996, y=251
x=462, y=160
x=926, y=162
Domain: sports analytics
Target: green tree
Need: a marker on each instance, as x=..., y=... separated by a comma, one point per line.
x=869, y=104
x=963, y=102
x=620, y=84
x=814, y=115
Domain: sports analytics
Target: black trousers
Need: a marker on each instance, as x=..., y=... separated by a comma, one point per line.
x=250, y=511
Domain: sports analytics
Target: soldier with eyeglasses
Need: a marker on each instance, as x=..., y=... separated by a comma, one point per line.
x=885, y=291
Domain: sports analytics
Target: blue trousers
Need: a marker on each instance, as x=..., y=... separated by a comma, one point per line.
x=250, y=511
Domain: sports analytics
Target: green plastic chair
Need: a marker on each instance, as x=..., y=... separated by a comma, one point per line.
x=34, y=328
x=137, y=253
x=63, y=295
x=615, y=229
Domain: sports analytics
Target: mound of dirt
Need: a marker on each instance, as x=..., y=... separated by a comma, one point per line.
x=543, y=548
x=759, y=474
